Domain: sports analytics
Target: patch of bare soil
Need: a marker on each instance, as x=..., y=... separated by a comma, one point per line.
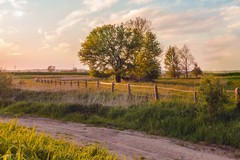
x=129, y=144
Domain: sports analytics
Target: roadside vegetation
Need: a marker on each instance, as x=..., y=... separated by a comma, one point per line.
x=173, y=119
x=25, y=143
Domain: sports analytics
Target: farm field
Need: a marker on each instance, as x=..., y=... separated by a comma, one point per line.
x=169, y=88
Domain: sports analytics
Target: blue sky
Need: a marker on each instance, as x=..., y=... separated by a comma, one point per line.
x=39, y=33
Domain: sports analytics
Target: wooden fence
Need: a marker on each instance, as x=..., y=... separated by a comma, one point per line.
x=129, y=89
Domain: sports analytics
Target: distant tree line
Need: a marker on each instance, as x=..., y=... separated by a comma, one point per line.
x=131, y=51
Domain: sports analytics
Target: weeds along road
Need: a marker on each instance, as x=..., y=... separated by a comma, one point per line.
x=126, y=143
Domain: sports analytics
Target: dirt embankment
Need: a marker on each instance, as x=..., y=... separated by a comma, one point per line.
x=128, y=144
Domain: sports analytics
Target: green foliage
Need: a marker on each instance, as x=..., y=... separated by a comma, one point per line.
x=5, y=82
x=211, y=95
x=121, y=50
x=24, y=143
x=147, y=65
x=172, y=62
x=98, y=74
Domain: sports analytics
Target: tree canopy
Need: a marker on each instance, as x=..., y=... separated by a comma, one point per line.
x=129, y=50
x=172, y=62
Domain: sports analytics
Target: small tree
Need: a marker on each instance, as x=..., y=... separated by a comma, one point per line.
x=187, y=59
x=172, y=62
x=196, y=70
x=51, y=68
x=148, y=66
x=211, y=95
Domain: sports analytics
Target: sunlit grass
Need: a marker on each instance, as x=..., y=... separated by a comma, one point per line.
x=19, y=143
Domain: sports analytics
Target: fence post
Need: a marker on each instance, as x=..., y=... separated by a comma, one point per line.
x=195, y=96
x=60, y=82
x=65, y=83
x=237, y=97
x=156, y=92
x=112, y=87
x=98, y=85
x=78, y=83
x=86, y=84
x=129, y=89
x=55, y=82
x=71, y=84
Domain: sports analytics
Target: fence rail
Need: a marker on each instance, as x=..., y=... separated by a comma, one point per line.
x=154, y=91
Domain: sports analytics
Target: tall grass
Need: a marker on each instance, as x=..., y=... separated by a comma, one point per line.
x=18, y=143
x=173, y=119
x=81, y=98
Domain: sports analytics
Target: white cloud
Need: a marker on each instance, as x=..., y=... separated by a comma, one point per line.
x=40, y=31
x=18, y=13
x=17, y=3
x=44, y=46
x=63, y=47
x=8, y=30
x=91, y=6
x=4, y=44
x=234, y=25
x=230, y=12
x=79, y=15
x=71, y=20
x=15, y=54
x=97, y=5
x=3, y=13
x=140, y=1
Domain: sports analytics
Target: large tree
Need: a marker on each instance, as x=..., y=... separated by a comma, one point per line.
x=116, y=50
x=187, y=59
x=172, y=62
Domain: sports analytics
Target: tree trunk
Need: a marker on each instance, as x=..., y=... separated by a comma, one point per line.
x=186, y=71
x=118, y=78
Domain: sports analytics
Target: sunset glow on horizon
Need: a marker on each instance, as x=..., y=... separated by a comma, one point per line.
x=35, y=34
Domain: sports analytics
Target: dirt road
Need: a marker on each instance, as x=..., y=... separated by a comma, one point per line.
x=127, y=143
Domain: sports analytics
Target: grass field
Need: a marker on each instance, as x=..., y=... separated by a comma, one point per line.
x=168, y=87
x=174, y=117
x=18, y=143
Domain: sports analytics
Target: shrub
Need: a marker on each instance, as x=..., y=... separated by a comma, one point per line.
x=5, y=82
x=212, y=96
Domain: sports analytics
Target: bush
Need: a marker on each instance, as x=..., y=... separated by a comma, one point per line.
x=212, y=96
x=5, y=82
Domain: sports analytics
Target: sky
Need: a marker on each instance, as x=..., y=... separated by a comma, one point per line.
x=37, y=33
